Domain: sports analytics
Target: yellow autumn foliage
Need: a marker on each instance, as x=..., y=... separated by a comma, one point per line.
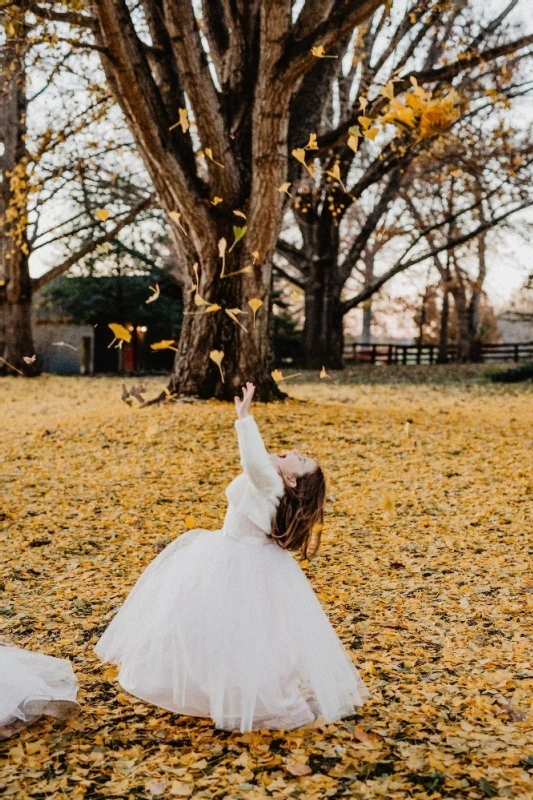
x=423, y=572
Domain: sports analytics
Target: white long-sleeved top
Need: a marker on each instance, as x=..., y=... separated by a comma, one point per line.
x=255, y=494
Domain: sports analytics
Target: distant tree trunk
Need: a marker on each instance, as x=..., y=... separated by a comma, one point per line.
x=16, y=286
x=323, y=326
x=366, y=333
x=444, y=318
x=468, y=308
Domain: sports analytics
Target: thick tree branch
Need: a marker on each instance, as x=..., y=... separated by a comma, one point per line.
x=291, y=254
x=75, y=18
x=298, y=58
x=197, y=80
x=401, y=265
x=447, y=73
x=90, y=246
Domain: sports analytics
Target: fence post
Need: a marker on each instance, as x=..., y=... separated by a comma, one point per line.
x=389, y=354
x=517, y=352
x=373, y=357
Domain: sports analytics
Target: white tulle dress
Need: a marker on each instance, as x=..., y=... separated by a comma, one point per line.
x=33, y=684
x=224, y=624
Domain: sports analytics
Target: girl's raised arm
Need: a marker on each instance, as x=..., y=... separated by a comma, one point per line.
x=255, y=460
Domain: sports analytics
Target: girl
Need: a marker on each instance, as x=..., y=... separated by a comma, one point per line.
x=224, y=624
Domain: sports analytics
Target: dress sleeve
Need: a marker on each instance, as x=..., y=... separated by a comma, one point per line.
x=255, y=460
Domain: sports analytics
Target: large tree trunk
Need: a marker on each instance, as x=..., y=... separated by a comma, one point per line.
x=242, y=121
x=15, y=288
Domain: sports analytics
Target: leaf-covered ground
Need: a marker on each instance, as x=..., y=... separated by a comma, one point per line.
x=424, y=572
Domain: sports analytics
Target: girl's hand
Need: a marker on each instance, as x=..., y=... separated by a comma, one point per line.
x=243, y=405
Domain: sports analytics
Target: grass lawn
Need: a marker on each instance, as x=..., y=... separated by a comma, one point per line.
x=424, y=572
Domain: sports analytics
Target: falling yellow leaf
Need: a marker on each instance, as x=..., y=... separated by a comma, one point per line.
x=353, y=143
x=371, y=133
x=119, y=332
x=65, y=344
x=319, y=52
x=216, y=200
x=183, y=121
x=248, y=268
x=29, y=359
x=222, y=244
x=231, y=312
x=363, y=102
x=255, y=304
x=255, y=255
x=284, y=188
x=175, y=216
x=388, y=90
x=164, y=344
x=102, y=248
x=102, y=214
x=238, y=234
x=278, y=375
x=312, y=143
x=209, y=154
x=299, y=155
x=239, y=213
x=217, y=356
x=323, y=373
x=156, y=294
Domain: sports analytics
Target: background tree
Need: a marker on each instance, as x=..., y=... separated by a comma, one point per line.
x=391, y=122
x=210, y=109
x=55, y=174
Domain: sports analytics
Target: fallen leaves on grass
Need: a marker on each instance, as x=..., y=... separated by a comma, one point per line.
x=433, y=602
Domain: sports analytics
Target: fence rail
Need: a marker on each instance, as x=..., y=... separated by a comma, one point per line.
x=430, y=354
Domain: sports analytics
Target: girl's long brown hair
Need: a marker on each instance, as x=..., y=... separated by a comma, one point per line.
x=300, y=512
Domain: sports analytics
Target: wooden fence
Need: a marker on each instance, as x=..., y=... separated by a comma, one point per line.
x=429, y=353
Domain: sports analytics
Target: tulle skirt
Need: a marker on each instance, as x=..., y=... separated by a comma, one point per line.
x=217, y=627
x=32, y=684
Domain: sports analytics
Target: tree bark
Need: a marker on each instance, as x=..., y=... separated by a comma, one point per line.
x=15, y=287
x=323, y=327
x=260, y=59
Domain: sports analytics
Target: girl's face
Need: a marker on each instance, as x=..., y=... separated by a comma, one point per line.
x=292, y=465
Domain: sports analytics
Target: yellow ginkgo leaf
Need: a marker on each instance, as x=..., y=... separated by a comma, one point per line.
x=232, y=314
x=388, y=90
x=285, y=188
x=248, y=268
x=119, y=332
x=217, y=356
x=371, y=133
x=319, y=52
x=216, y=200
x=353, y=143
x=255, y=304
x=312, y=143
x=278, y=375
x=222, y=245
x=255, y=255
x=175, y=216
x=363, y=102
x=299, y=155
x=102, y=214
x=183, y=121
x=239, y=213
x=156, y=294
x=324, y=374
x=365, y=122
x=102, y=248
x=164, y=344
x=189, y=521
x=209, y=154
x=213, y=307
